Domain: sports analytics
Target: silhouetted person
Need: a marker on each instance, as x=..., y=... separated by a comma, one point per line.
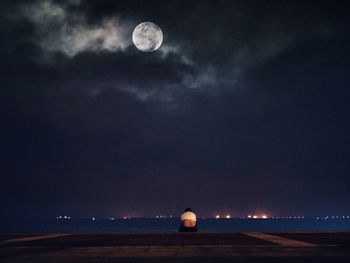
x=188, y=221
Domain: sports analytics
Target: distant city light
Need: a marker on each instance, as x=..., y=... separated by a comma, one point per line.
x=164, y=216
x=229, y=216
x=63, y=217
x=294, y=217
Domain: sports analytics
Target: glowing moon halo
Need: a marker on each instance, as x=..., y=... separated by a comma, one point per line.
x=147, y=37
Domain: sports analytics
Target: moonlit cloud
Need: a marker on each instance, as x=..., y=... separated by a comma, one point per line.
x=173, y=49
x=207, y=76
x=187, y=64
x=58, y=29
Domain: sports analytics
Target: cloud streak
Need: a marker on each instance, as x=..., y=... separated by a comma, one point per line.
x=208, y=60
x=58, y=29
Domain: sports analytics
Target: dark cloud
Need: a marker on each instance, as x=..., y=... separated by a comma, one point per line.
x=244, y=107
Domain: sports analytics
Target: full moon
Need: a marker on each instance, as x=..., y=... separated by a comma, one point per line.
x=147, y=37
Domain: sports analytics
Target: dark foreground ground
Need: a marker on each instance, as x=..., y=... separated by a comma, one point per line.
x=176, y=247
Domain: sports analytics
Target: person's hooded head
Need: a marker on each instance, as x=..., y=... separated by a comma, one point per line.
x=187, y=216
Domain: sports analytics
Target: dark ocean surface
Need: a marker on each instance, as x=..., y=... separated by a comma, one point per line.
x=171, y=225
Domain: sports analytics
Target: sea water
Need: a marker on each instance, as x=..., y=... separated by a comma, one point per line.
x=172, y=224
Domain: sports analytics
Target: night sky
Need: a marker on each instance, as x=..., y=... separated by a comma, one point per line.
x=243, y=109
